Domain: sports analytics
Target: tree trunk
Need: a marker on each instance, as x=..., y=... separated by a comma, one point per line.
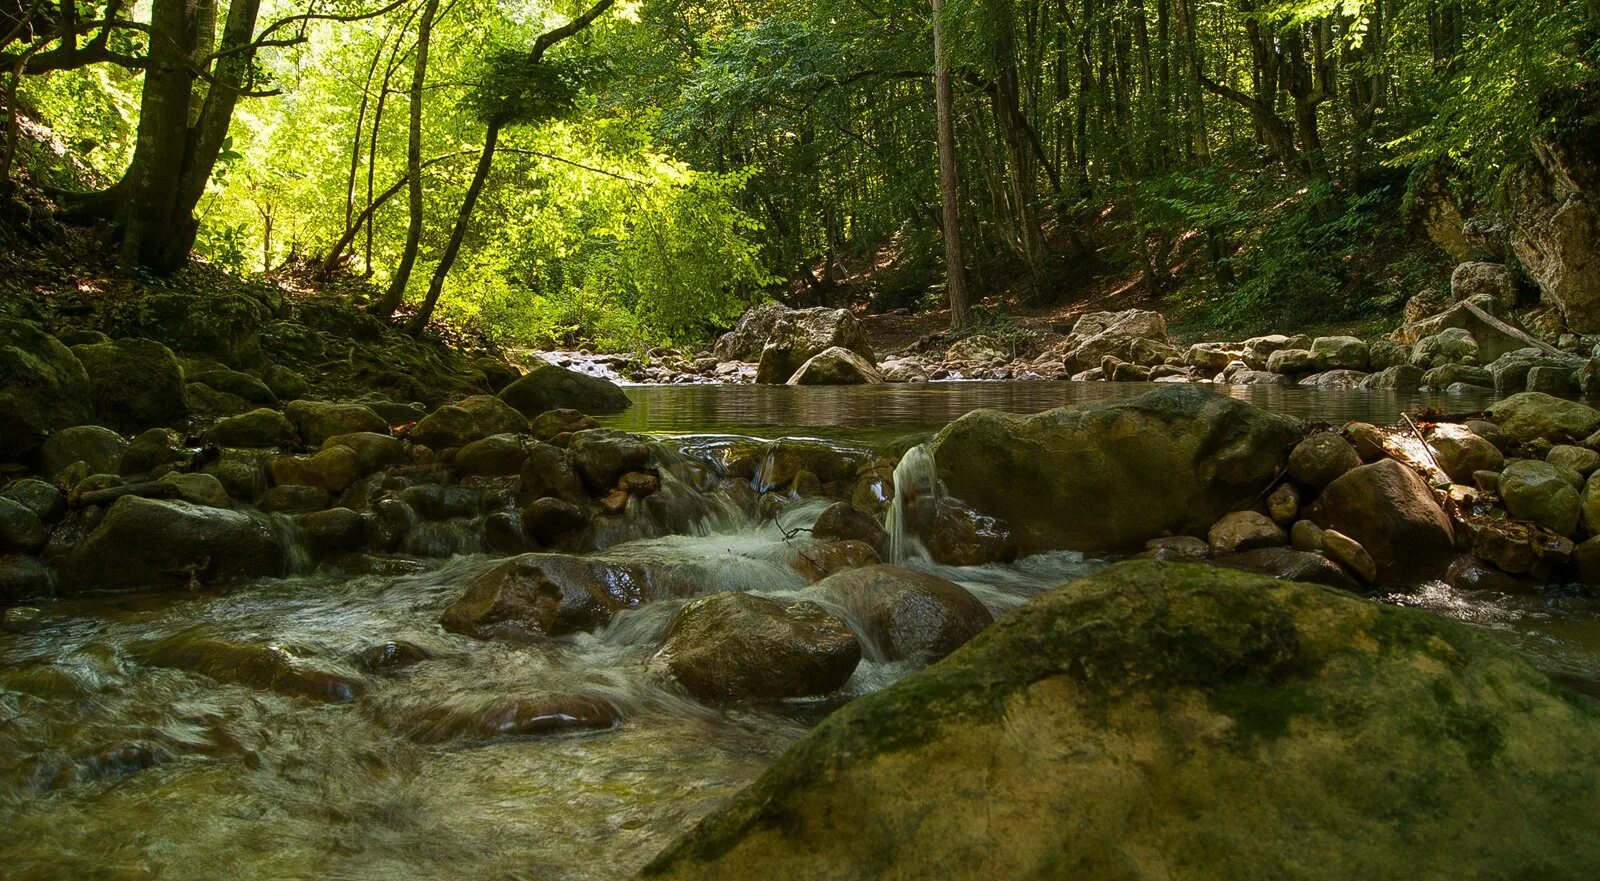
x=436, y=285
x=949, y=185
x=391, y=298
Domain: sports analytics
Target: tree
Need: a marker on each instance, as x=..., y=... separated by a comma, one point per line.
x=949, y=187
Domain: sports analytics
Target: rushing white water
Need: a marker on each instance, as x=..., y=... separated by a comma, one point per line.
x=915, y=477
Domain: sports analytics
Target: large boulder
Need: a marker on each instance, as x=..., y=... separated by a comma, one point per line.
x=541, y=595
x=799, y=334
x=98, y=447
x=261, y=427
x=1540, y=493
x=43, y=388
x=549, y=387
x=1510, y=371
x=1537, y=416
x=1125, y=335
x=1172, y=721
x=836, y=366
x=901, y=614
x=316, y=421
x=1391, y=511
x=1108, y=477
x=155, y=543
x=737, y=646
x=135, y=384
x=1495, y=332
x=749, y=336
x=221, y=325
x=1556, y=225
x=1479, y=279
x=461, y=423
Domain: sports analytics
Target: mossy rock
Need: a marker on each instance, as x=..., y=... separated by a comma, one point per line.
x=1163, y=720
x=1109, y=477
x=135, y=384
x=223, y=326
x=549, y=387
x=43, y=387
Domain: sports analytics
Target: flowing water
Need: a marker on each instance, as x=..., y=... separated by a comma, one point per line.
x=111, y=767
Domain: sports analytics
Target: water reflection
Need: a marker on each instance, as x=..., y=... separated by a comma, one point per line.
x=881, y=412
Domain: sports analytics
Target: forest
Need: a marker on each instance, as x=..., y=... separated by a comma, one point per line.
x=629, y=174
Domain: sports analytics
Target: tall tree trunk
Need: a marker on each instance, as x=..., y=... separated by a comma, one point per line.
x=390, y=301
x=491, y=139
x=949, y=184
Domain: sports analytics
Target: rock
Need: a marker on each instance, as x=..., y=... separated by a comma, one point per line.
x=1306, y=536
x=1349, y=553
x=1447, y=375
x=221, y=325
x=749, y=336
x=961, y=536
x=373, y=451
x=1488, y=481
x=1453, y=345
x=1460, y=453
x=1336, y=379
x=1321, y=458
x=436, y=502
x=1552, y=380
x=392, y=656
x=548, y=520
x=1495, y=333
x=1553, y=223
x=1537, y=416
x=1338, y=353
x=1283, y=504
x=258, y=428
x=1391, y=511
x=295, y=499
x=151, y=543
x=199, y=489
x=797, y=335
x=602, y=455
x=101, y=448
x=285, y=384
x=900, y=614
x=150, y=450
x=43, y=388
x=1383, y=354
x=1367, y=439
x=1209, y=357
x=474, y=418
x=134, y=384
x=1108, y=477
x=494, y=455
x=548, y=387
x=513, y=717
x=1580, y=459
x=240, y=385
x=1539, y=493
x=1401, y=377
x=1586, y=561
x=333, y=469
x=1492, y=280
x=24, y=578
x=317, y=421
x=1177, y=548
x=250, y=664
x=734, y=646
x=1244, y=531
x=817, y=560
x=548, y=472
x=1291, y=362
x=836, y=366
x=1425, y=304
x=551, y=423
x=21, y=530
x=1491, y=432
x=1589, y=501
x=842, y=521
x=331, y=532
x=535, y=596
x=1096, y=335
x=1288, y=564
x=1270, y=710
x=1511, y=370
x=44, y=500
x=241, y=474
x=1470, y=573
x=903, y=370
x=1259, y=377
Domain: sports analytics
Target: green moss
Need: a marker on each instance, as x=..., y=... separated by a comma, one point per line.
x=1261, y=711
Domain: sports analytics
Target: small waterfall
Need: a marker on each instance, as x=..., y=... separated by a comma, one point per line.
x=914, y=477
x=296, y=558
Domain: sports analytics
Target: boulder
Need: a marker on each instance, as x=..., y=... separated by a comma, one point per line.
x=24, y=578
x=251, y=664
x=134, y=384
x=1290, y=564
x=494, y=455
x=1385, y=353
x=1552, y=380
x=549, y=520
x=1510, y=371
x=548, y=387
x=21, y=530
x=550, y=424
x=1553, y=226
x=101, y=448
x=1453, y=345
x=474, y=418
x=258, y=428
x=535, y=596
x=374, y=451
x=1108, y=477
x=900, y=614
x=734, y=646
x=199, y=489
x=1164, y=720
x=1460, y=453
x=749, y=336
x=1532, y=416
x=836, y=366
x=1291, y=362
x=334, y=531
x=43, y=499
x=316, y=421
x=1401, y=377
x=1321, y=458
x=1478, y=279
x=1443, y=377
x=221, y=325
x=1349, y=553
x=1245, y=531
x=1540, y=493
x=333, y=469
x=548, y=472
x=843, y=521
x=1339, y=353
x=602, y=455
x=240, y=385
x=1126, y=336
x=1391, y=511
x=799, y=334
x=1580, y=459
x=43, y=388
x=1257, y=351
x=155, y=543
x=1339, y=380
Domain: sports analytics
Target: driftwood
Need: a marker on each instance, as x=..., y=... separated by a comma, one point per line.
x=1510, y=331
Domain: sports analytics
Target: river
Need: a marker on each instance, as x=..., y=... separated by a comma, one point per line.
x=110, y=768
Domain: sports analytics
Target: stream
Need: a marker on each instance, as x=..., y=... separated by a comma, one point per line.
x=111, y=768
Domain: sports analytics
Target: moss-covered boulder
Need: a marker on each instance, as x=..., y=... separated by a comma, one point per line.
x=43, y=387
x=316, y=421
x=155, y=543
x=548, y=387
x=733, y=646
x=1533, y=416
x=1172, y=721
x=1108, y=477
x=135, y=384
x=221, y=325
x=97, y=446
x=902, y=614
x=461, y=423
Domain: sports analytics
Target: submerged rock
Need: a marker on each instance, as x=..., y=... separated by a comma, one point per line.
x=255, y=665
x=737, y=646
x=1163, y=720
x=541, y=595
x=1108, y=477
x=511, y=717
